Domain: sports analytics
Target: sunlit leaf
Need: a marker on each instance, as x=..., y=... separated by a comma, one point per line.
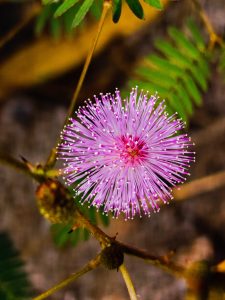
x=154, y=3
x=82, y=11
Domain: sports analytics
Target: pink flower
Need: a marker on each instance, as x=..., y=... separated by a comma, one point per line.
x=125, y=156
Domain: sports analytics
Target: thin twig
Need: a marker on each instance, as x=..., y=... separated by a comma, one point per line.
x=163, y=262
x=32, y=12
x=106, y=6
x=128, y=282
x=200, y=186
x=92, y=264
x=36, y=172
x=210, y=134
x=213, y=36
x=14, y=163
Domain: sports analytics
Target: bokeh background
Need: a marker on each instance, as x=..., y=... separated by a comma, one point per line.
x=38, y=75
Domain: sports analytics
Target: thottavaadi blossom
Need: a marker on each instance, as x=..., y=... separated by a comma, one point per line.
x=125, y=155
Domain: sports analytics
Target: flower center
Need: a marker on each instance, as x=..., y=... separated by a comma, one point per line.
x=132, y=149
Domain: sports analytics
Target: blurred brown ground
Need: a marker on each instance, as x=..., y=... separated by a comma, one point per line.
x=30, y=120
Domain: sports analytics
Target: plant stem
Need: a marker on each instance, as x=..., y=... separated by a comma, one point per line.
x=162, y=262
x=200, y=186
x=82, y=221
x=128, y=282
x=92, y=264
x=36, y=172
x=214, y=38
x=106, y=6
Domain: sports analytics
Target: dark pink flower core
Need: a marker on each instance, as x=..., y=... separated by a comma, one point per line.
x=132, y=150
x=125, y=156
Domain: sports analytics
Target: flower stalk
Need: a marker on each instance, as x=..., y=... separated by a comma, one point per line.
x=128, y=282
x=106, y=6
x=214, y=38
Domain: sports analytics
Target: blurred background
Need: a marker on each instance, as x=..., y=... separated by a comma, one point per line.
x=39, y=68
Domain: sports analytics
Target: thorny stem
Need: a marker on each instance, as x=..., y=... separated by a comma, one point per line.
x=33, y=11
x=106, y=6
x=128, y=282
x=214, y=38
x=91, y=265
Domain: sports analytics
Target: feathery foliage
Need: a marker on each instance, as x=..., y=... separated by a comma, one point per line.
x=14, y=284
x=178, y=71
x=67, y=14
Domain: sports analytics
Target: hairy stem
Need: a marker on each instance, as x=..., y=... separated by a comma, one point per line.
x=91, y=265
x=128, y=282
x=106, y=7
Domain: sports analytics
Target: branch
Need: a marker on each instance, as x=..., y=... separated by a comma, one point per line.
x=128, y=282
x=37, y=172
x=213, y=132
x=163, y=262
x=200, y=186
x=214, y=38
x=82, y=221
x=91, y=265
x=14, y=163
x=106, y=6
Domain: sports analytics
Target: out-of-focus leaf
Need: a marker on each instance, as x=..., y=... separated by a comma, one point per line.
x=45, y=2
x=55, y=28
x=42, y=19
x=82, y=11
x=14, y=284
x=196, y=34
x=96, y=8
x=179, y=72
x=154, y=3
x=66, y=5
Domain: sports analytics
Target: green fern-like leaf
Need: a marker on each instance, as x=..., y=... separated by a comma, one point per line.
x=58, y=18
x=58, y=9
x=14, y=284
x=178, y=72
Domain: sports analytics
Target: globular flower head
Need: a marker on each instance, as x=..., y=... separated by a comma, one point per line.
x=125, y=156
